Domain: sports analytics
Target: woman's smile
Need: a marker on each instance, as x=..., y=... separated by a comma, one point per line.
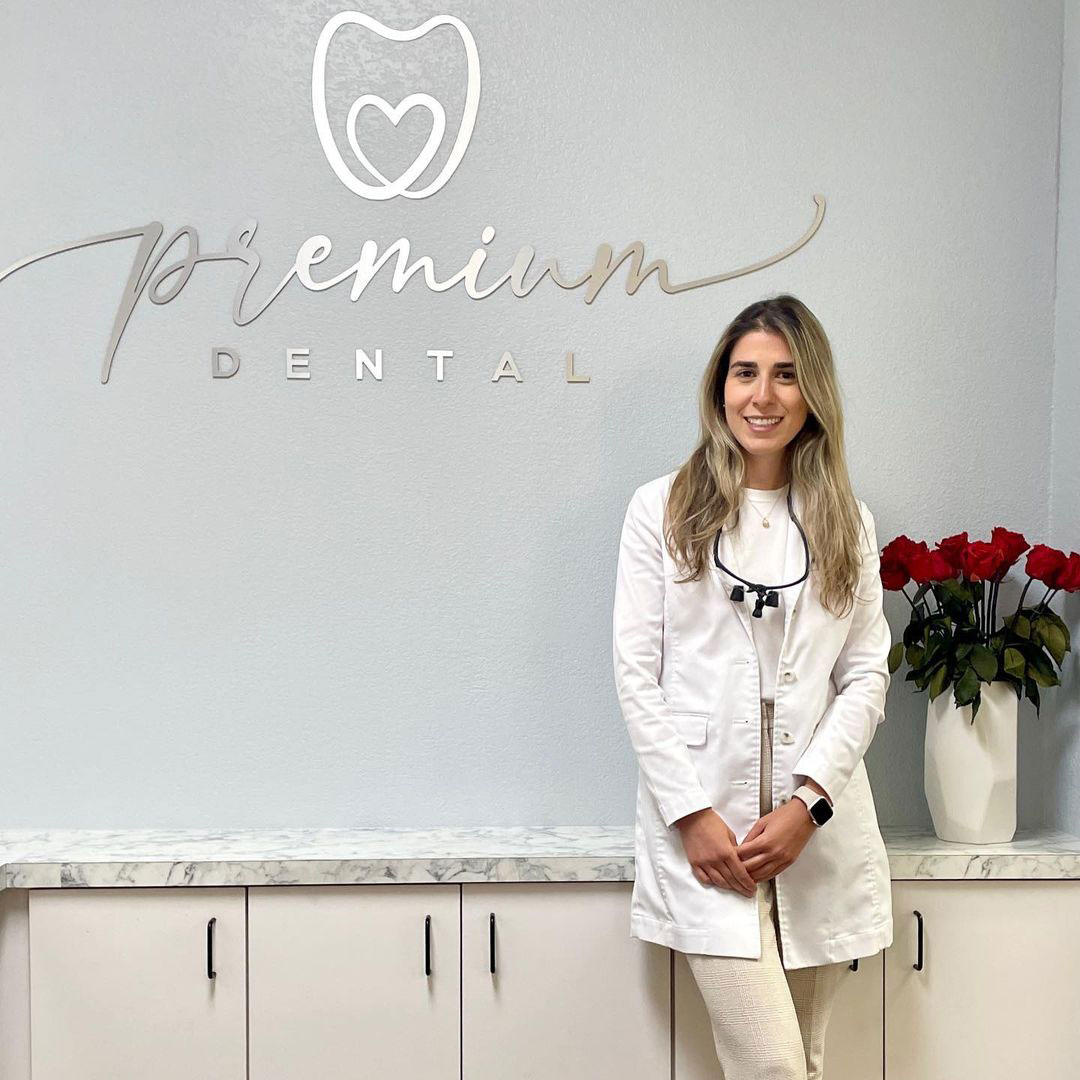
x=763, y=427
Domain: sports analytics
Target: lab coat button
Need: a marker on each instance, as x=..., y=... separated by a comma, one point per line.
x=789, y=676
x=786, y=737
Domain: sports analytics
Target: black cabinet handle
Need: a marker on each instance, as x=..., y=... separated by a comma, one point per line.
x=918, y=964
x=491, y=942
x=210, y=972
x=427, y=944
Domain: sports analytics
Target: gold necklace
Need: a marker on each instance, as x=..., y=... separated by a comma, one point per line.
x=764, y=517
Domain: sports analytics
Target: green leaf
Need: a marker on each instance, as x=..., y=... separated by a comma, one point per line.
x=1032, y=692
x=1015, y=662
x=937, y=649
x=1062, y=626
x=975, y=703
x=984, y=662
x=967, y=686
x=1052, y=636
x=896, y=656
x=1041, y=671
x=937, y=682
x=1043, y=679
x=955, y=590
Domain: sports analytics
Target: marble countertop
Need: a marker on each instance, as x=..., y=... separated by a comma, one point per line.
x=153, y=857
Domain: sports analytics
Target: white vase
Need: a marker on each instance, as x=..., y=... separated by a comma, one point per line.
x=970, y=768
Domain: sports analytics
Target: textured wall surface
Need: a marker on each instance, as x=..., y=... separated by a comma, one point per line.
x=254, y=601
x=1053, y=757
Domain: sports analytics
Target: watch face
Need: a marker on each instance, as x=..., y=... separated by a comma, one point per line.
x=821, y=811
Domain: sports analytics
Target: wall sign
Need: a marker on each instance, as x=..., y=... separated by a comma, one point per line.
x=389, y=189
x=165, y=284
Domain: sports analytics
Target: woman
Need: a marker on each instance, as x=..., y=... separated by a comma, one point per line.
x=751, y=661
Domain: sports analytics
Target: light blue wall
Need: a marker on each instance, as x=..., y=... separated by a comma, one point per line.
x=1058, y=758
x=257, y=602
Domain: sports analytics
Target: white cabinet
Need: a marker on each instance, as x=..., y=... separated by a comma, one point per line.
x=340, y=984
x=120, y=985
x=572, y=995
x=997, y=996
x=354, y=981
x=854, y=1037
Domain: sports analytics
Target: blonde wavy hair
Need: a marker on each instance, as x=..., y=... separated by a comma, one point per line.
x=707, y=491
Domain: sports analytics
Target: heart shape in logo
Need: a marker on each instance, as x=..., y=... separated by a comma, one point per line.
x=322, y=121
x=413, y=101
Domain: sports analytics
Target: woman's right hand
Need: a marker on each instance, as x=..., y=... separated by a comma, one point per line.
x=710, y=847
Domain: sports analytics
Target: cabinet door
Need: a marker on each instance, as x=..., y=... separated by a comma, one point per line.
x=354, y=981
x=120, y=986
x=854, y=1038
x=572, y=994
x=997, y=996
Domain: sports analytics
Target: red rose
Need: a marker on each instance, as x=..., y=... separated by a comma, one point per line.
x=894, y=578
x=980, y=561
x=896, y=559
x=901, y=550
x=1011, y=543
x=951, y=547
x=931, y=566
x=1068, y=577
x=1045, y=563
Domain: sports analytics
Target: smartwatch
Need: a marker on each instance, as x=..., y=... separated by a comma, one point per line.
x=818, y=805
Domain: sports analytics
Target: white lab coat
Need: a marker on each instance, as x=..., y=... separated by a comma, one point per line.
x=686, y=672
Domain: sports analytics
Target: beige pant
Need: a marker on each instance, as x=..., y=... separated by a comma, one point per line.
x=768, y=1023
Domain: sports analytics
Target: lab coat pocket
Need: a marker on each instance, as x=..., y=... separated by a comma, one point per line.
x=693, y=727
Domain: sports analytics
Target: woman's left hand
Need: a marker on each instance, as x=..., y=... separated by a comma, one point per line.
x=776, y=840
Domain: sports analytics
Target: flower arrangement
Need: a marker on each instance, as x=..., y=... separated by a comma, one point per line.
x=957, y=641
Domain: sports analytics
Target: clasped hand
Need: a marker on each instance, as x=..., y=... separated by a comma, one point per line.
x=775, y=841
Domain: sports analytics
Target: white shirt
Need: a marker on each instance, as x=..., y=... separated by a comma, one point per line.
x=757, y=554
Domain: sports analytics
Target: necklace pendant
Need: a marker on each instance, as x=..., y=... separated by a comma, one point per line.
x=765, y=523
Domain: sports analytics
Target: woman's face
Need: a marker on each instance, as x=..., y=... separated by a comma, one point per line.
x=761, y=382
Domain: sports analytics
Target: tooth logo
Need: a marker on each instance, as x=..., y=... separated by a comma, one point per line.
x=387, y=189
